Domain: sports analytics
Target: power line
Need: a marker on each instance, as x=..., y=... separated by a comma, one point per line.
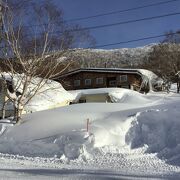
x=113, y=24
x=131, y=41
x=103, y=14
x=116, y=24
x=128, y=22
x=121, y=11
x=134, y=40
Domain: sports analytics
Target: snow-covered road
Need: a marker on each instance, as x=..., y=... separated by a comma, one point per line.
x=103, y=165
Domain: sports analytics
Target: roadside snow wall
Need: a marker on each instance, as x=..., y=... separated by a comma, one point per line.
x=158, y=130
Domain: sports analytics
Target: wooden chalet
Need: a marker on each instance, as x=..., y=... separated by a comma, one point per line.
x=90, y=78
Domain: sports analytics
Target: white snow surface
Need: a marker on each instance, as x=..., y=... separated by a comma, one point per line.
x=148, y=73
x=117, y=95
x=137, y=137
x=48, y=96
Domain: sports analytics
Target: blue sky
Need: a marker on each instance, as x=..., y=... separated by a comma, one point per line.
x=83, y=8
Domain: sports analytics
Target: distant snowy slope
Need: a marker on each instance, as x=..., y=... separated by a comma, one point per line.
x=123, y=57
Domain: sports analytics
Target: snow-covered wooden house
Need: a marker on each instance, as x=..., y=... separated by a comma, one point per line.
x=89, y=78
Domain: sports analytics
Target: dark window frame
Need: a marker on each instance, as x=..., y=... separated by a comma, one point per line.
x=123, y=78
x=77, y=84
x=87, y=82
x=98, y=80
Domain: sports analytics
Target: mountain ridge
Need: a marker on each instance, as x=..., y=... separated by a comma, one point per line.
x=122, y=57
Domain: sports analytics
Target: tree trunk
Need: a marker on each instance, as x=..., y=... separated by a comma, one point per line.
x=17, y=112
x=178, y=86
x=3, y=110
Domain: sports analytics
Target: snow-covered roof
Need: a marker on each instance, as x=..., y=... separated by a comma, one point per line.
x=107, y=70
x=115, y=94
x=49, y=95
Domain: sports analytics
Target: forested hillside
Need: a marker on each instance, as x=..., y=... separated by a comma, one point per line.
x=124, y=57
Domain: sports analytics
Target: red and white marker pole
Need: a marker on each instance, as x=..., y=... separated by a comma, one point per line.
x=87, y=125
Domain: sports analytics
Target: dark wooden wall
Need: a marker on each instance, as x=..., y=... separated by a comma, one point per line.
x=68, y=82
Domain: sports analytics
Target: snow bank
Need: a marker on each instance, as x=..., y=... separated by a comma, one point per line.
x=128, y=96
x=158, y=130
x=50, y=95
x=173, y=88
x=155, y=128
x=117, y=95
x=4, y=125
x=62, y=132
x=68, y=146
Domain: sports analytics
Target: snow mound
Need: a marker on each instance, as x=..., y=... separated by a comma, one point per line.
x=149, y=122
x=173, y=88
x=127, y=96
x=4, y=124
x=157, y=130
x=50, y=93
x=117, y=95
x=68, y=146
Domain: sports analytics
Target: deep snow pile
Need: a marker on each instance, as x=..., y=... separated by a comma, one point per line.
x=156, y=128
x=139, y=133
x=151, y=122
x=117, y=95
x=50, y=95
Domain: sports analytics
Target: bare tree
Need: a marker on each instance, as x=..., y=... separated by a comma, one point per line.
x=164, y=61
x=32, y=54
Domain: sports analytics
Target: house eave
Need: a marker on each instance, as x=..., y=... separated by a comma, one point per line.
x=101, y=70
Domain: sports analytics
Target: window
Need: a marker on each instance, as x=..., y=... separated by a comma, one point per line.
x=82, y=101
x=67, y=83
x=126, y=87
x=123, y=78
x=77, y=83
x=87, y=82
x=112, y=83
x=99, y=80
